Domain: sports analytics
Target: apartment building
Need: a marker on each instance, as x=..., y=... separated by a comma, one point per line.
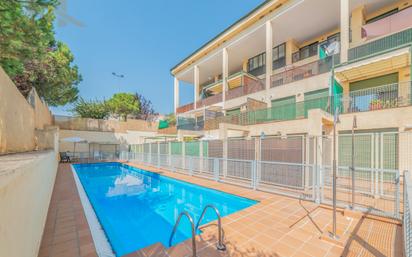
x=350, y=56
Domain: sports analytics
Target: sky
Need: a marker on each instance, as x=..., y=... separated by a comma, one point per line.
x=142, y=40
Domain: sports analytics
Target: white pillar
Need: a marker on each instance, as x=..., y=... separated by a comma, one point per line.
x=176, y=93
x=196, y=85
x=269, y=56
x=225, y=74
x=344, y=30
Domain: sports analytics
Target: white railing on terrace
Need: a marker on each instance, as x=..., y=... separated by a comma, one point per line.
x=294, y=166
x=407, y=219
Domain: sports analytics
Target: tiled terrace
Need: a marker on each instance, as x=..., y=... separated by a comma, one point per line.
x=277, y=226
x=67, y=232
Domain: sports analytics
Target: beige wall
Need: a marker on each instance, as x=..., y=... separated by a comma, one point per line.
x=26, y=184
x=123, y=139
x=42, y=114
x=18, y=118
x=85, y=124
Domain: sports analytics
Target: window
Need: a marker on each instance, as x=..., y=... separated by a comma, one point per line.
x=257, y=62
x=305, y=52
x=278, y=53
x=256, y=65
x=383, y=15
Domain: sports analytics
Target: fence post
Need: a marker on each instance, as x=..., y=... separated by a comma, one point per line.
x=191, y=165
x=254, y=174
x=158, y=155
x=169, y=152
x=172, y=161
x=225, y=154
x=321, y=182
x=398, y=194
x=406, y=215
x=183, y=154
x=216, y=168
x=150, y=154
x=201, y=156
x=316, y=182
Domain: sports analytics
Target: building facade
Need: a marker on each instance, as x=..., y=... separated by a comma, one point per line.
x=349, y=56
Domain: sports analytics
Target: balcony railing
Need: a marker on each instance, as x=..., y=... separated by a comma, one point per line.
x=380, y=45
x=393, y=23
x=185, y=108
x=189, y=123
x=371, y=99
x=377, y=98
x=302, y=72
x=249, y=85
x=214, y=99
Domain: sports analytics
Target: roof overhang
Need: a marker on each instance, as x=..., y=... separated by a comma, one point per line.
x=251, y=41
x=267, y=7
x=374, y=66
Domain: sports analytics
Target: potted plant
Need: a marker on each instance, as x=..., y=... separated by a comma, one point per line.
x=375, y=104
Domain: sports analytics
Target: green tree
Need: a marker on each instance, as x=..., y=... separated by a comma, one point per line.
x=171, y=118
x=146, y=110
x=123, y=104
x=31, y=56
x=53, y=76
x=91, y=109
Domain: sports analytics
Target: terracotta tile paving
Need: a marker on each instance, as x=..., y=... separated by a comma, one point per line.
x=66, y=232
x=277, y=226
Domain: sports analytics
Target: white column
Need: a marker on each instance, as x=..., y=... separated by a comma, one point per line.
x=225, y=73
x=344, y=30
x=176, y=93
x=196, y=85
x=269, y=56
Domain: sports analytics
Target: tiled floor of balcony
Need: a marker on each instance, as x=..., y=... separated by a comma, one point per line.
x=277, y=226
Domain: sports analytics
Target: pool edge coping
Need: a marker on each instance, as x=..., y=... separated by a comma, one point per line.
x=100, y=240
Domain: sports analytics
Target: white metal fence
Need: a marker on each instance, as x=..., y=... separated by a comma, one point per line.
x=407, y=219
x=297, y=166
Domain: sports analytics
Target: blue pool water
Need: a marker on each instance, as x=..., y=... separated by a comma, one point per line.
x=137, y=208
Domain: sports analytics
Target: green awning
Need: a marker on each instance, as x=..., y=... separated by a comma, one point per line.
x=163, y=124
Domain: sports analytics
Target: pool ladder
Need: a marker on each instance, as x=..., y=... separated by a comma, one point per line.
x=220, y=245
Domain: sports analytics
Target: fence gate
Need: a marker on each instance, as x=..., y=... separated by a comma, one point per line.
x=284, y=166
x=374, y=183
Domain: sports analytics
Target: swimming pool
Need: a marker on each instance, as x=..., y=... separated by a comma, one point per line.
x=137, y=208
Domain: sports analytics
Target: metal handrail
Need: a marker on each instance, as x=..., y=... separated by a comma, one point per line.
x=185, y=213
x=220, y=245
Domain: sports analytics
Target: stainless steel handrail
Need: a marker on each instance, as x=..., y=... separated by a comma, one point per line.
x=220, y=245
x=185, y=213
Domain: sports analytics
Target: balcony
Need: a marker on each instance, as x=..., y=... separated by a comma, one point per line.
x=380, y=45
x=193, y=124
x=240, y=84
x=214, y=99
x=296, y=73
x=376, y=98
x=185, y=108
x=371, y=99
x=249, y=84
x=393, y=23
